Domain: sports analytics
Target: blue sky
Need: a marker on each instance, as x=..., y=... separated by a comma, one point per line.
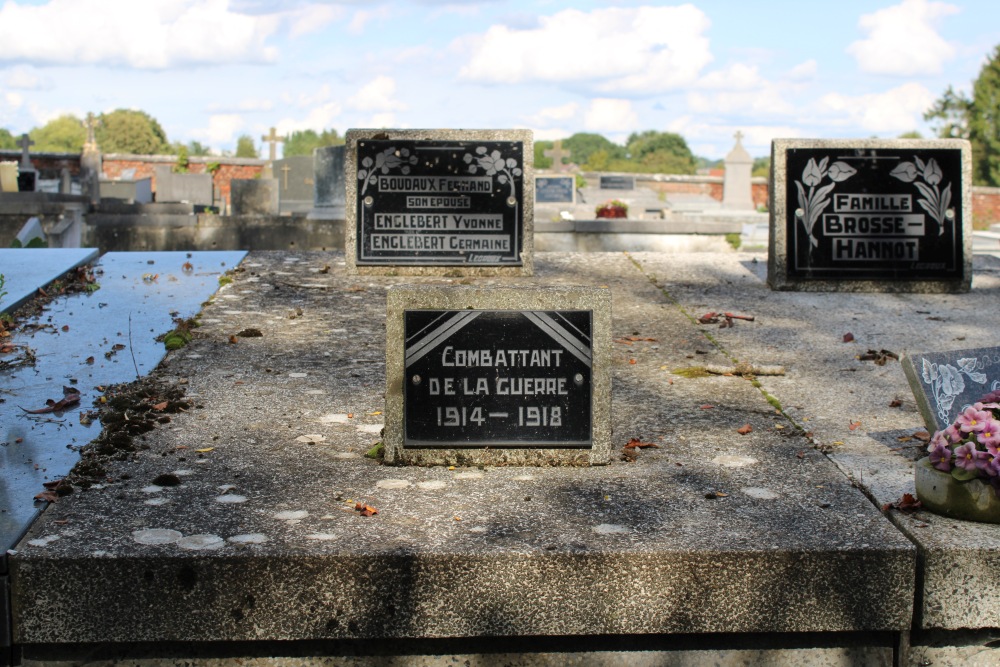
x=210, y=70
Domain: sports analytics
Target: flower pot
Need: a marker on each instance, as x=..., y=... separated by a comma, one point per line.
x=612, y=212
x=941, y=493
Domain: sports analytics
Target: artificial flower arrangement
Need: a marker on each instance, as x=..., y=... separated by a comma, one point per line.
x=613, y=208
x=970, y=447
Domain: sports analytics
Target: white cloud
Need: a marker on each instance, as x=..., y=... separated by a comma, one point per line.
x=894, y=111
x=13, y=100
x=377, y=95
x=387, y=119
x=221, y=130
x=611, y=116
x=550, y=134
x=734, y=77
x=318, y=118
x=151, y=34
x=363, y=16
x=902, y=39
x=312, y=18
x=643, y=49
x=549, y=115
x=248, y=104
x=804, y=71
x=764, y=100
x=24, y=77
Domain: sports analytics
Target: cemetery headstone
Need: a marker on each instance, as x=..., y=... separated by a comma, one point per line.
x=498, y=375
x=31, y=235
x=945, y=383
x=871, y=215
x=65, y=182
x=330, y=192
x=253, y=196
x=8, y=176
x=27, y=176
x=436, y=202
x=139, y=191
x=556, y=153
x=296, y=183
x=617, y=182
x=197, y=189
x=737, y=188
x=272, y=139
x=555, y=189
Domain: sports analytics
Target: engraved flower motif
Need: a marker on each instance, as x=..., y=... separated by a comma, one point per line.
x=905, y=171
x=813, y=173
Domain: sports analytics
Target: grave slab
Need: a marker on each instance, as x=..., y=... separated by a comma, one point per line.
x=710, y=532
x=27, y=269
x=85, y=341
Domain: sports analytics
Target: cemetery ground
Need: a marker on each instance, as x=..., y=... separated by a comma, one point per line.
x=751, y=520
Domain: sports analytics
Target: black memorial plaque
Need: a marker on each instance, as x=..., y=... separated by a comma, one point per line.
x=483, y=378
x=422, y=202
x=874, y=214
x=618, y=182
x=554, y=189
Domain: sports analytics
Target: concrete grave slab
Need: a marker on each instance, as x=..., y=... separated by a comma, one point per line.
x=874, y=215
x=27, y=269
x=440, y=202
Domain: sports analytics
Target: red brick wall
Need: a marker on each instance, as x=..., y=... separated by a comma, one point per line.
x=985, y=207
x=115, y=165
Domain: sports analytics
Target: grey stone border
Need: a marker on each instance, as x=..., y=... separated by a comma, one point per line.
x=777, y=258
x=528, y=205
x=403, y=297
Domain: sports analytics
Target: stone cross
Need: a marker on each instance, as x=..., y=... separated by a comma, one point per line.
x=273, y=139
x=91, y=124
x=557, y=154
x=738, y=136
x=24, y=142
x=284, y=171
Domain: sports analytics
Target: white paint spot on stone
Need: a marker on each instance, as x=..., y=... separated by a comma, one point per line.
x=734, y=461
x=370, y=428
x=152, y=488
x=334, y=418
x=759, y=493
x=345, y=455
x=524, y=478
x=232, y=312
x=43, y=541
x=477, y=529
x=338, y=330
x=226, y=487
x=298, y=375
x=311, y=438
x=198, y=462
x=194, y=356
x=610, y=529
x=469, y=475
x=204, y=542
x=315, y=392
x=231, y=499
x=392, y=483
x=323, y=537
x=183, y=473
x=291, y=515
x=156, y=536
x=100, y=553
x=211, y=321
x=432, y=485
x=156, y=501
x=249, y=538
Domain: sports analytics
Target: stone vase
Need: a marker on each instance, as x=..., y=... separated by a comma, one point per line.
x=612, y=212
x=941, y=493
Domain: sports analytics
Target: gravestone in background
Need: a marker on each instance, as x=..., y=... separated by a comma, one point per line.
x=139, y=191
x=945, y=383
x=871, y=215
x=436, y=202
x=498, y=375
x=737, y=187
x=555, y=189
x=330, y=191
x=197, y=189
x=617, y=182
x=27, y=177
x=253, y=196
x=296, y=183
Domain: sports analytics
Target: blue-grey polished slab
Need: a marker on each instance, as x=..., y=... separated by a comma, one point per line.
x=26, y=269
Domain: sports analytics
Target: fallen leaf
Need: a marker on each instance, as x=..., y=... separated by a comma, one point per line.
x=377, y=412
x=908, y=503
x=89, y=360
x=457, y=518
x=233, y=340
x=800, y=454
x=350, y=415
x=204, y=450
x=54, y=406
x=631, y=361
x=160, y=407
x=47, y=496
x=639, y=444
x=365, y=510
x=848, y=337
x=853, y=426
x=65, y=327
x=895, y=403
x=743, y=430
x=707, y=406
x=922, y=435
x=187, y=267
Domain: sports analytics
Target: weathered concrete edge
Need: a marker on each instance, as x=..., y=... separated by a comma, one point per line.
x=200, y=598
x=598, y=300
x=350, y=178
x=777, y=256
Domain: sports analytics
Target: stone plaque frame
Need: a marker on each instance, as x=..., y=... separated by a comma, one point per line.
x=404, y=298
x=556, y=177
x=781, y=272
x=527, y=206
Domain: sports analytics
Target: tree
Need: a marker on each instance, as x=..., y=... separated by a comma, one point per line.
x=584, y=144
x=245, y=146
x=912, y=134
x=7, y=140
x=64, y=134
x=660, y=152
x=303, y=142
x=761, y=166
x=542, y=162
x=130, y=131
x=977, y=119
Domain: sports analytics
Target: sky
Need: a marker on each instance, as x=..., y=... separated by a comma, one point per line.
x=211, y=70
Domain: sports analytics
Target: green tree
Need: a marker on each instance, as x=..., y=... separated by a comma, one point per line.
x=7, y=140
x=64, y=134
x=977, y=119
x=303, y=142
x=584, y=144
x=761, y=166
x=912, y=134
x=191, y=148
x=245, y=146
x=661, y=152
x=130, y=131
x=542, y=162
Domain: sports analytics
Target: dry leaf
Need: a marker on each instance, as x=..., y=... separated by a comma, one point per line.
x=895, y=403
x=233, y=340
x=631, y=361
x=848, y=337
x=853, y=426
x=68, y=399
x=707, y=406
x=639, y=444
x=204, y=450
x=743, y=430
x=160, y=407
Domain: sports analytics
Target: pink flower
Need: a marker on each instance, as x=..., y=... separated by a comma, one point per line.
x=940, y=454
x=990, y=436
x=969, y=458
x=972, y=420
x=952, y=433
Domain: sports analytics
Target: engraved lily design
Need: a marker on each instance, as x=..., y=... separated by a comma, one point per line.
x=390, y=158
x=814, y=202
x=494, y=165
x=934, y=200
x=947, y=382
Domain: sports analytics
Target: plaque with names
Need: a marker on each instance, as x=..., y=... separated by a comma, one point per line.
x=555, y=189
x=617, y=182
x=877, y=213
x=439, y=202
x=477, y=378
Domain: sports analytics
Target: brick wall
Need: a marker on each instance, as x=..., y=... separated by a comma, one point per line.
x=145, y=166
